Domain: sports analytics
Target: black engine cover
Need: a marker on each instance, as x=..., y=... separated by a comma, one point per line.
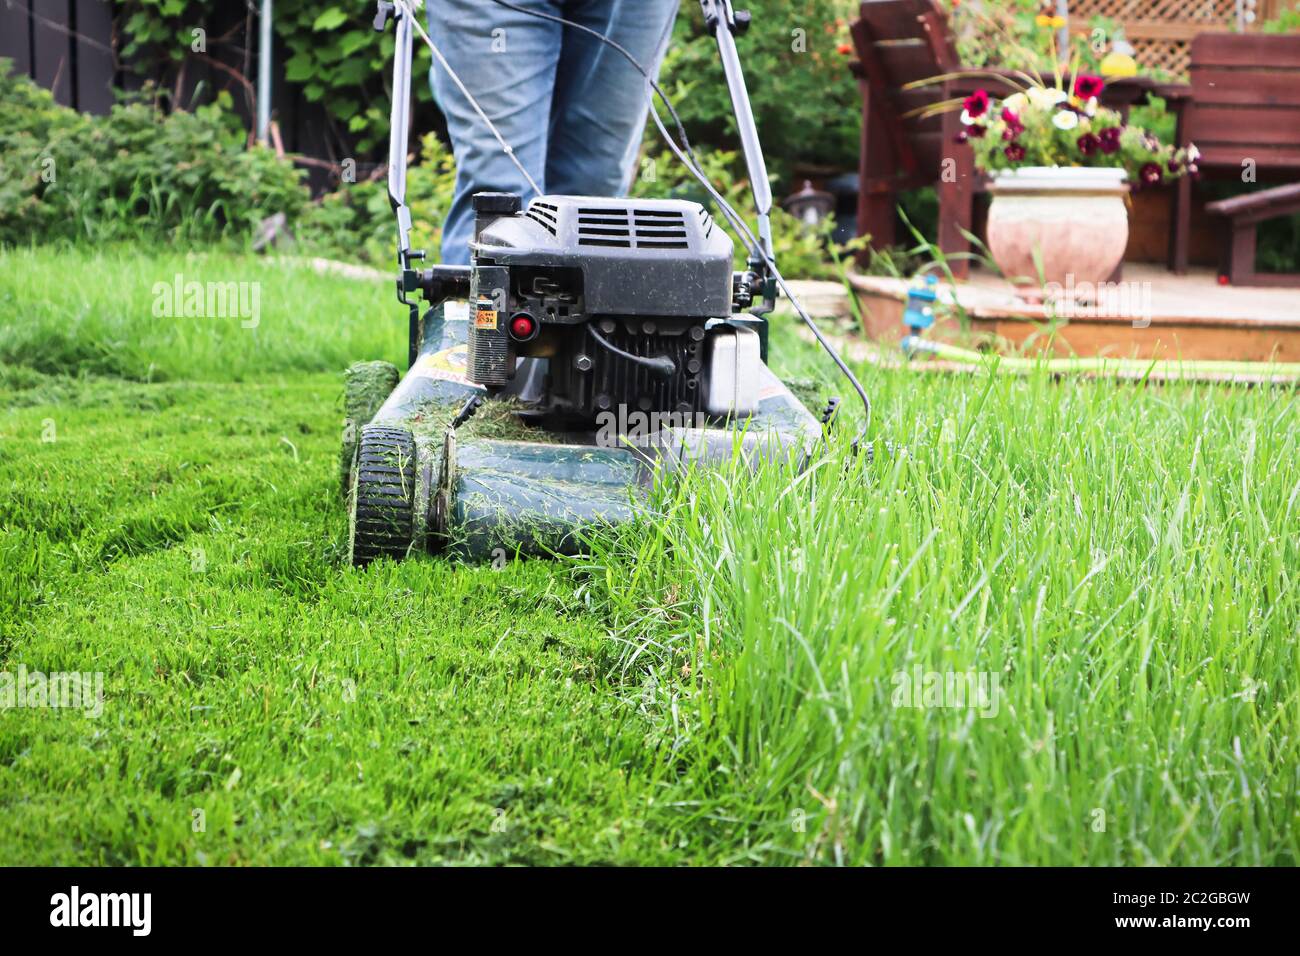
x=645, y=274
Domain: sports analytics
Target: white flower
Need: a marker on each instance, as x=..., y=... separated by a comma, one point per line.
x=1193, y=154
x=1065, y=119
x=1090, y=107
x=966, y=119
x=1016, y=102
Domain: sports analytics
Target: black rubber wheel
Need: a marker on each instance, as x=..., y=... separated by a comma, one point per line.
x=383, y=494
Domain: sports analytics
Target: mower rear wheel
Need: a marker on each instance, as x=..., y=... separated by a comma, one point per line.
x=382, y=496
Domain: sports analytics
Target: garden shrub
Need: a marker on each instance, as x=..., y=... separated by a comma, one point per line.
x=800, y=252
x=356, y=220
x=134, y=174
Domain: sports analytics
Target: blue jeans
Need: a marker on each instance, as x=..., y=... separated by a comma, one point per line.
x=572, y=107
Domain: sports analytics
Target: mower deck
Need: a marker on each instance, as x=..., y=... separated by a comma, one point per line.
x=492, y=485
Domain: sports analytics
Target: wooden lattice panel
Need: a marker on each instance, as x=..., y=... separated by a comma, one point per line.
x=1161, y=30
x=1172, y=56
x=1219, y=13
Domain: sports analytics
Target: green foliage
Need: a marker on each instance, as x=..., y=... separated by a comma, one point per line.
x=1286, y=21
x=800, y=251
x=1116, y=559
x=133, y=173
x=334, y=56
x=795, y=58
x=357, y=219
x=1007, y=34
x=338, y=60
x=1000, y=33
x=35, y=133
x=160, y=30
x=105, y=312
x=188, y=541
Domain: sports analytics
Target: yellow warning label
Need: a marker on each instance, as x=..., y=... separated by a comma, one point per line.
x=448, y=365
x=485, y=319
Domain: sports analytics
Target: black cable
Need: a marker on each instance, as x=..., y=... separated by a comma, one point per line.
x=686, y=155
x=660, y=365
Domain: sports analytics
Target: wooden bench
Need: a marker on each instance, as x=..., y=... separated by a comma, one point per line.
x=899, y=42
x=1243, y=115
x=1237, y=262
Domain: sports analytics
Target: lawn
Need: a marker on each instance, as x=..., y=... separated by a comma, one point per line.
x=718, y=683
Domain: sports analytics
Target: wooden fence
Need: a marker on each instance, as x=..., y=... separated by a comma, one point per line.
x=64, y=45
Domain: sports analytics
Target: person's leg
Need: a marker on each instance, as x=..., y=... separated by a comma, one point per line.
x=601, y=101
x=507, y=60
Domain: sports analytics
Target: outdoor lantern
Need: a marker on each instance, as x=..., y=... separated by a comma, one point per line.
x=810, y=206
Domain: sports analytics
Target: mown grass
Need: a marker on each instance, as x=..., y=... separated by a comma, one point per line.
x=713, y=684
x=188, y=543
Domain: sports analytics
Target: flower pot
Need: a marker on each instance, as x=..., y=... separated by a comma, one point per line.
x=1063, y=227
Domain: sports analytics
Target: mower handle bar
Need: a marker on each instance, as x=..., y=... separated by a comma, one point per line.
x=717, y=14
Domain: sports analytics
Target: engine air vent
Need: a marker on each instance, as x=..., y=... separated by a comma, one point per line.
x=543, y=213
x=660, y=229
x=604, y=227
x=639, y=228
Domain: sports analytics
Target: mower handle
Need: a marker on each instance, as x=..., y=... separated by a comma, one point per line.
x=399, y=120
x=726, y=24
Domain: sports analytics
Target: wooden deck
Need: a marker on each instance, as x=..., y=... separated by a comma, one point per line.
x=1152, y=314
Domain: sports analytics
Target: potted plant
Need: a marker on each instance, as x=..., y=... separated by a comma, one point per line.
x=1062, y=167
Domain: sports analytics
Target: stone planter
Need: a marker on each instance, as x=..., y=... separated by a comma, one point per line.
x=1061, y=228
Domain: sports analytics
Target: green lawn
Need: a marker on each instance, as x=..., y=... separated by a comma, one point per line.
x=716, y=684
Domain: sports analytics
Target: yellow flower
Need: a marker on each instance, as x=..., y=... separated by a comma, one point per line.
x=1043, y=20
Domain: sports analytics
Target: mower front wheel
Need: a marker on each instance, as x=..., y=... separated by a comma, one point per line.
x=382, y=495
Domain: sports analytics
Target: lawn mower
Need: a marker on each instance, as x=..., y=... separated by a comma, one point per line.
x=591, y=345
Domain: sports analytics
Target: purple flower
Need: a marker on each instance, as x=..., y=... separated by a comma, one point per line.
x=976, y=131
x=1150, y=174
x=1089, y=144
x=1015, y=152
x=1109, y=139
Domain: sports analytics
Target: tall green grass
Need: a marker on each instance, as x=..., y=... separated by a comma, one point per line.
x=72, y=312
x=1124, y=560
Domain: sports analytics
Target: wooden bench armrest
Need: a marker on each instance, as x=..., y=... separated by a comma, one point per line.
x=1174, y=92
x=1260, y=204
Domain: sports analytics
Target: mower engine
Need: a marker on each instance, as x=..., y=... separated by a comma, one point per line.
x=628, y=303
